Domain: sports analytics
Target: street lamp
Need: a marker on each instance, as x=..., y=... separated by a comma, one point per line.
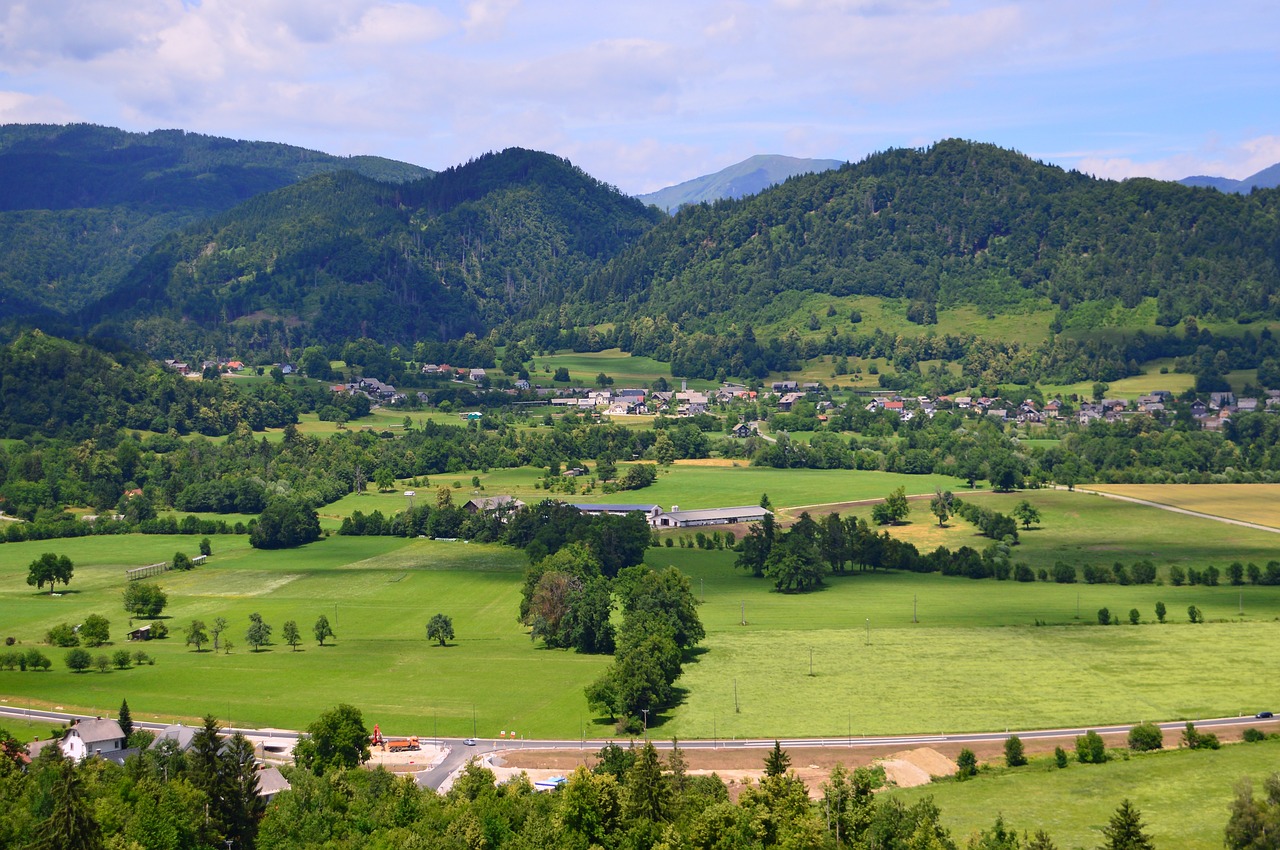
x=645, y=712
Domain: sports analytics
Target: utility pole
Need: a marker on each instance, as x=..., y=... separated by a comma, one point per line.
x=868, y=631
x=736, y=708
x=914, y=607
x=811, y=661
x=743, y=607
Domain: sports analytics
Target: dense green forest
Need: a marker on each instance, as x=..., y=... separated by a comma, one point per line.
x=956, y=223
x=83, y=203
x=339, y=256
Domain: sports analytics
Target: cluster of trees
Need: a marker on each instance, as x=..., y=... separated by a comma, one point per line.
x=631, y=797
x=660, y=626
x=798, y=558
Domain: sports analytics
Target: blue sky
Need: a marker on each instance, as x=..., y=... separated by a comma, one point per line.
x=644, y=95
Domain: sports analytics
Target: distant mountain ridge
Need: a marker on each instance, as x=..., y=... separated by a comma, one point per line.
x=749, y=177
x=1267, y=178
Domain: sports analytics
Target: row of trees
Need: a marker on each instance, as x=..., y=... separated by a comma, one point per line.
x=257, y=635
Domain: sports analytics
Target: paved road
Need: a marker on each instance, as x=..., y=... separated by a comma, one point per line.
x=458, y=753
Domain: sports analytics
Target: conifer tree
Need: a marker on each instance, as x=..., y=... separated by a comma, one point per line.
x=125, y=719
x=777, y=763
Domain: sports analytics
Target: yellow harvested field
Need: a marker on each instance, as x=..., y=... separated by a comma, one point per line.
x=726, y=462
x=1258, y=503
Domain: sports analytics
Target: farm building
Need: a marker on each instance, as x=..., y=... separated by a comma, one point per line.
x=651, y=512
x=676, y=518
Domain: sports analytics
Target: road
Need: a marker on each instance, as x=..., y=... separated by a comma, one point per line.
x=458, y=753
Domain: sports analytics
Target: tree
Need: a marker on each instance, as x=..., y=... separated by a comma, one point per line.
x=1194, y=615
x=206, y=548
x=894, y=509
x=322, y=629
x=606, y=468
x=125, y=718
x=219, y=626
x=196, y=635
x=259, y=633
x=384, y=478
x=966, y=764
x=561, y=374
x=440, y=629
x=1090, y=748
x=1104, y=616
x=284, y=523
x=337, y=738
x=1146, y=737
x=144, y=600
x=70, y=824
x=777, y=763
x=1255, y=824
x=1026, y=513
x=1014, y=754
x=1161, y=611
x=1135, y=616
x=95, y=630
x=181, y=561
x=291, y=634
x=79, y=660
x=1125, y=830
x=940, y=506
x=50, y=569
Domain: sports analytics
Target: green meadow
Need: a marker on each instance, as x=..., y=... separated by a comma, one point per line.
x=1183, y=795
x=891, y=652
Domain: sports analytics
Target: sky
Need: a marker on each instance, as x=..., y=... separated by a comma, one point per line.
x=647, y=94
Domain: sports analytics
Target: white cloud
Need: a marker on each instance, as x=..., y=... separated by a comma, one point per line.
x=21, y=108
x=1213, y=159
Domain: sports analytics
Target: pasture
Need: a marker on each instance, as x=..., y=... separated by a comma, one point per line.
x=1183, y=795
x=1257, y=503
x=974, y=660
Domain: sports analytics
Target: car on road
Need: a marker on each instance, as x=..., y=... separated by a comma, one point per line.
x=470, y=742
x=1264, y=715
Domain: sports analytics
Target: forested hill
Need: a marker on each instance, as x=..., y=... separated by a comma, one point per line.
x=952, y=224
x=339, y=256
x=82, y=203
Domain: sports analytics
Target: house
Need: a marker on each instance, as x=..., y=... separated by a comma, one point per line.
x=784, y=386
x=180, y=735
x=477, y=375
x=1217, y=401
x=1053, y=408
x=1199, y=409
x=676, y=518
x=743, y=430
x=651, y=512
x=964, y=402
x=271, y=782
x=92, y=737
x=501, y=504
x=787, y=401
x=1246, y=405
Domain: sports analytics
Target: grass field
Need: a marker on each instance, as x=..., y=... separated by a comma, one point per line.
x=1259, y=503
x=626, y=371
x=937, y=674
x=689, y=485
x=1183, y=795
x=377, y=592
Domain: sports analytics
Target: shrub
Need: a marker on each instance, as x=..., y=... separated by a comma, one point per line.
x=34, y=659
x=1104, y=617
x=62, y=635
x=121, y=658
x=1253, y=735
x=1059, y=757
x=1135, y=616
x=1014, y=755
x=966, y=764
x=1194, y=740
x=1090, y=748
x=1146, y=737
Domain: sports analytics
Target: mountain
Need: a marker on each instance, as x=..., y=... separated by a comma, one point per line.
x=956, y=223
x=1267, y=178
x=83, y=203
x=748, y=177
x=340, y=256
